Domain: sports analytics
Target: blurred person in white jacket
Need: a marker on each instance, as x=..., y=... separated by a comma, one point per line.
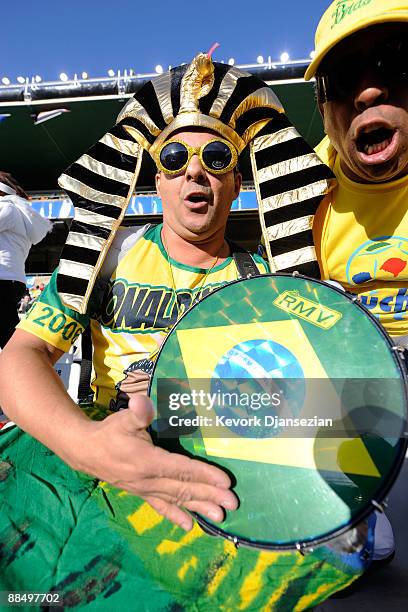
x=20, y=228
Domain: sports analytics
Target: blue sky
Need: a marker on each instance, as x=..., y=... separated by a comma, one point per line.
x=50, y=36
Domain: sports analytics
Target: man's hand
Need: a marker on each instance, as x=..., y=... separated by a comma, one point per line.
x=120, y=451
x=117, y=449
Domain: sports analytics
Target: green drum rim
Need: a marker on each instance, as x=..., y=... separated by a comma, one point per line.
x=316, y=313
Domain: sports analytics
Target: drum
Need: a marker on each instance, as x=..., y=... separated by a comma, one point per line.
x=295, y=390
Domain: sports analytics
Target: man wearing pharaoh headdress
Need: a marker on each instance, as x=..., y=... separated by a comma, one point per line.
x=93, y=510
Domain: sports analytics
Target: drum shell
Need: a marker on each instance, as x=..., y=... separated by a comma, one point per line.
x=340, y=351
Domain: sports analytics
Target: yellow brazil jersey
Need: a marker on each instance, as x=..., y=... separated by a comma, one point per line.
x=363, y=234
x=138, y=307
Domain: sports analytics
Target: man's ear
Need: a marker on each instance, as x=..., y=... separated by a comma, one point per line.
x=237, y=184
x=157, y=181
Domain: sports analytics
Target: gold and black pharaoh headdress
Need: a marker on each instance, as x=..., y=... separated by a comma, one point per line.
x=290, y=180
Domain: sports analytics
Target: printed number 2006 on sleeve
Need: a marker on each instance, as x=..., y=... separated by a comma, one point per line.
x=58, y=323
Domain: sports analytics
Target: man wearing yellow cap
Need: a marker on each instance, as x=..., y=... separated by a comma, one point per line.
x=361, y=228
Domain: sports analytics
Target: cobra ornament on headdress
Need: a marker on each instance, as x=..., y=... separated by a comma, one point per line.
x=290, y=180
x=197, y=82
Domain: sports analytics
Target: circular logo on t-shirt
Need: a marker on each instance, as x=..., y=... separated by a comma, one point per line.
x=384, y=257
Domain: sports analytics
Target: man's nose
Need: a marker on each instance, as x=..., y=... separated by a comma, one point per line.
x=195, y=171
x=370, y=91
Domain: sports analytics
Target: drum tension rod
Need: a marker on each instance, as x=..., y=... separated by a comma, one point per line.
x=377, y=506
x=236, y=542
x=398, y=349
x=303, y=549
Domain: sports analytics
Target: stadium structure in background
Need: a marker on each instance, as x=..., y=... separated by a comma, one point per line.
x=46, y=126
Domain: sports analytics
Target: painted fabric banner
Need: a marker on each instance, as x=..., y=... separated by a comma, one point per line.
x=92, y=545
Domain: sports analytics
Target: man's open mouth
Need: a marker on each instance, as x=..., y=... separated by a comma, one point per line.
x=196, y=198
x=373, y=141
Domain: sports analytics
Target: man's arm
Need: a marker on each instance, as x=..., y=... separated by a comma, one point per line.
x=117, y=449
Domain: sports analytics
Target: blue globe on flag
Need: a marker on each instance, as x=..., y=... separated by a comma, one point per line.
x=253, y=369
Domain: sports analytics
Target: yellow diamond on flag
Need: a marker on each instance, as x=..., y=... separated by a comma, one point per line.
x=336, y=454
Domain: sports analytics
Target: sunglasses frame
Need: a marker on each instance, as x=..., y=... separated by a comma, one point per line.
x=326, y=92
x=197, y=151
x=323, y=89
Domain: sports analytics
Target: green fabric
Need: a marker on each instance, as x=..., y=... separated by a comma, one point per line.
x=62, y=531
x=56, y=536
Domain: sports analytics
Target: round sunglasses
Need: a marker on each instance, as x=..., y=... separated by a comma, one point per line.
x=217, y=156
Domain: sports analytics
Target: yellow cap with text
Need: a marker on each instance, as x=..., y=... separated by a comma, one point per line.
x=344, y=17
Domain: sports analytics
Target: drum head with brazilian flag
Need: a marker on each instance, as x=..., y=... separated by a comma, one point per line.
x=295, y=391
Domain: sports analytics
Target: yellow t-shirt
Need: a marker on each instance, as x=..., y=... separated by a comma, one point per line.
x=138, y=307
x=364, y=243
